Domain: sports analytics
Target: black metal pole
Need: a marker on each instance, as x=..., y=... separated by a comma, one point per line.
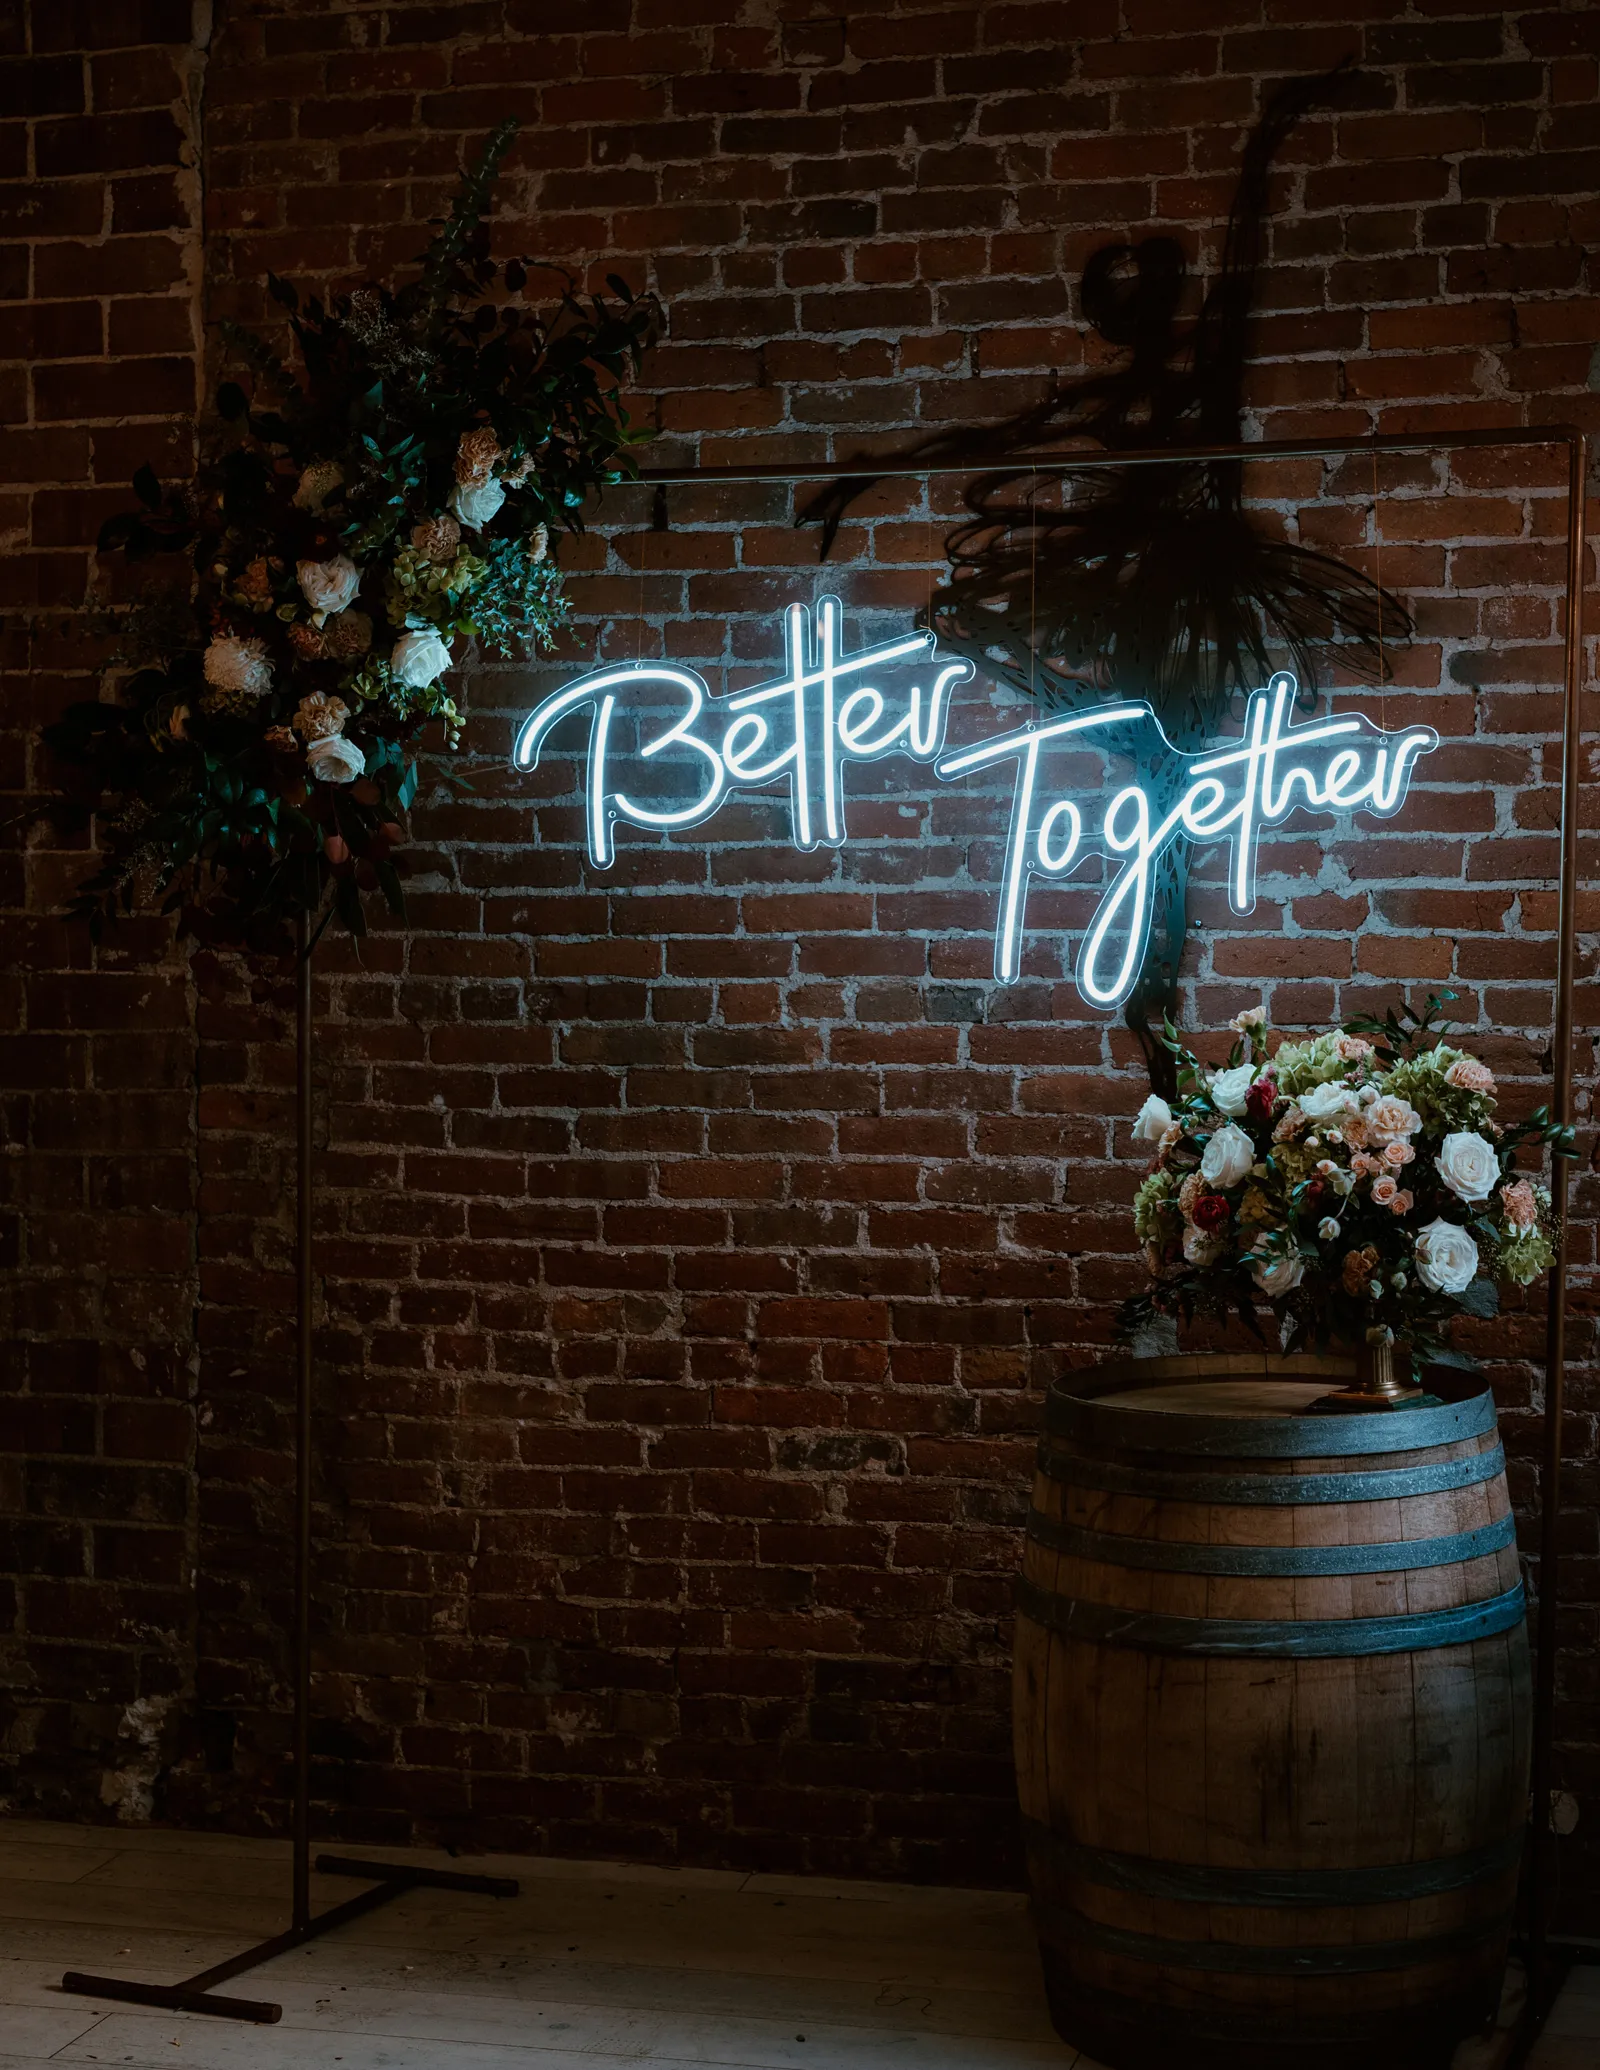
x=390, y=1880
x=301, y=1822
x=1542, y=1882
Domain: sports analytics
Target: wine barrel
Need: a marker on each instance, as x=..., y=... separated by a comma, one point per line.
x=1271, y=1714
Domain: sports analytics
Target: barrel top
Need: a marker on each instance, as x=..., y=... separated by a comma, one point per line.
x=1222, y=1397
x=1242, y=1407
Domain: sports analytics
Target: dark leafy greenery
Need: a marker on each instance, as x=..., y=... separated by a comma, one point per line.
x=423, y=456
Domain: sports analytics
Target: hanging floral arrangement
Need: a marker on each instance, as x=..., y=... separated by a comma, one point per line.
x=1358, y=1184
x=358, y=522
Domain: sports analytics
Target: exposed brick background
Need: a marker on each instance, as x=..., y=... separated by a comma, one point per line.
x=99, y=367
x=698, y=1239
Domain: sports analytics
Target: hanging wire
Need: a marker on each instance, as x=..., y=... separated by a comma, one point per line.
x=1033, y=584
x=1377, y=544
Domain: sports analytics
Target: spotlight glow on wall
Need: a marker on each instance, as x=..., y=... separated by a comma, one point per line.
x=804, y=727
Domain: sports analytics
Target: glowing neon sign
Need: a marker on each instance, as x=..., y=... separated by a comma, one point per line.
x=801, y=728
x=822, y=713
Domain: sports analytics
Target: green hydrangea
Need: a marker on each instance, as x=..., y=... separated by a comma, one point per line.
x=1421, y=1080
x=1301, y=1065
x=1524, y=1257
x=1151, y=1205
x=420, y=591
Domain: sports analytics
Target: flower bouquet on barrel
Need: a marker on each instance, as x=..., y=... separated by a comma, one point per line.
x=1357, y=1183
x=348, y=528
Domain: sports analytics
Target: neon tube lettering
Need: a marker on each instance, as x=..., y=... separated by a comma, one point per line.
x=798, y=726
x=820, y=713
x=1026, y=839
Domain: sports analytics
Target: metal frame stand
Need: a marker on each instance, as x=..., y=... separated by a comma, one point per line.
x=1547, y=1960
x=389, y=1880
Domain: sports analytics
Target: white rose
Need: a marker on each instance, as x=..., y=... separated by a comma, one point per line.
x=476, y=502
x=1198, y=1248
x=328, y=586
x=1324, y=1102
x=1227, y=1157
x=1468, y=1165
x=317, y=484
x=333, y=759
x=1228, y=1088
x=238, y=665
x=1278, y=1274
x=1447, y=1258
x=1155, y=1118
x=1328, y=1228
x=418, y=658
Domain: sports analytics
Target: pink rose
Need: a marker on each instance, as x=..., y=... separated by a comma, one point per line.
x=1390, y=1118
x=1402, y=1202
x=1384, y=1190
x=1520, y=1204
x=1398, y=1154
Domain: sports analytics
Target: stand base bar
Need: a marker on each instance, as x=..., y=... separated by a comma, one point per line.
x=172, y=1998
x=193, y=1995
x=419, y=1879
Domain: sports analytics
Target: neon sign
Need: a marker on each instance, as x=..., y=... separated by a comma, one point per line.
x=657, y=720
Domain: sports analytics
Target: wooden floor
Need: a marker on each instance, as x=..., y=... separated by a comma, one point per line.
x=592, y=1966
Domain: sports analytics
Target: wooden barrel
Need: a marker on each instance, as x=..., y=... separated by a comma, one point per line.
x=1271, y=1717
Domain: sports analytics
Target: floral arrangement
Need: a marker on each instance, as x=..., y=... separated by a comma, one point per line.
x=351, y=527
x=1358, y=1182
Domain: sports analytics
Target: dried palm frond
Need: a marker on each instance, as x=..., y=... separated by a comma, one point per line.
x=1149, y=581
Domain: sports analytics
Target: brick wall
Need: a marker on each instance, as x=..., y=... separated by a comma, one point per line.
x=697, y=1239
x=99, y=335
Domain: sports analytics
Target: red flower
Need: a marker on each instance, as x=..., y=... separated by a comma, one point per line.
x=1260, y=1099
x=1211, y=1212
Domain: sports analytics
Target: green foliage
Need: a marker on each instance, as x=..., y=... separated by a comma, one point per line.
x=437, y=440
